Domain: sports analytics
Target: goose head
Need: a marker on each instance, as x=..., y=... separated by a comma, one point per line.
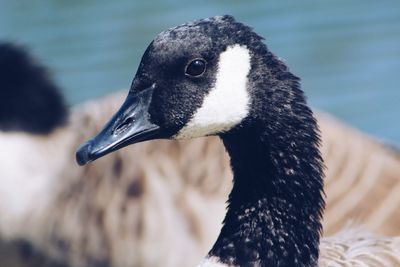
x=216, y=77
x=194, y=80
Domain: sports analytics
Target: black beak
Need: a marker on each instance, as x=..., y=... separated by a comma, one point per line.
x=131, y=124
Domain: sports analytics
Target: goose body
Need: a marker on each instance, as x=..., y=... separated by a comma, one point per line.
x=216, y=77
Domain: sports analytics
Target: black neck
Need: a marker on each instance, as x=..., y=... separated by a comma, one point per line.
x=275, y=207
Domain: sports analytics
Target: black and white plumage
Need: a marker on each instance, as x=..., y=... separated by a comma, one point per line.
x=248, y=97
x=66, y=213
x=32, y=111
x=33, y=116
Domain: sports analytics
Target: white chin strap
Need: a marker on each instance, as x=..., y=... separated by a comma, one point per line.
x=227, y=103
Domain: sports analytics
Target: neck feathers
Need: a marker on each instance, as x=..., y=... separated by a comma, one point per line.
x=275, y=207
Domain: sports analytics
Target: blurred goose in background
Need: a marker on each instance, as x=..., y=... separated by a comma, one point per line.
x=120, y=209
x=216, y=77
x=32, y=118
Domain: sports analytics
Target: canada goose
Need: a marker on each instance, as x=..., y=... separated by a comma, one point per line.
x=216, y=77
x=105, y=213
x=32, y=114
x=32, y=111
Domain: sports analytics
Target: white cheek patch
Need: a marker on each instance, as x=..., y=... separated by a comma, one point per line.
x=227, y=104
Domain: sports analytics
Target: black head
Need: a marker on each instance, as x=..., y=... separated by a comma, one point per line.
x=29, y=100
x=193, y=80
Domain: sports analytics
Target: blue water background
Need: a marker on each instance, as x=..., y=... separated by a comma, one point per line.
x=346, y=52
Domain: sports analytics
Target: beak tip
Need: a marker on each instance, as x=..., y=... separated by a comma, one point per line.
x=83, y=154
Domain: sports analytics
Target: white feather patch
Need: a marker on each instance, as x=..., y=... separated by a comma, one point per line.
x=30, y=166
x=227, y=104
x=212, y=262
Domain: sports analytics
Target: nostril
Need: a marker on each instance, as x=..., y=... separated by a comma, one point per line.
x=124, y=124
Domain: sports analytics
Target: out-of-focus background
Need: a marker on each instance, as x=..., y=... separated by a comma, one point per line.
x=151, y=203
x=346, y=52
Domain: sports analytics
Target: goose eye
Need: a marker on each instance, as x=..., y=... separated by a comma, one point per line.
x=196, y=67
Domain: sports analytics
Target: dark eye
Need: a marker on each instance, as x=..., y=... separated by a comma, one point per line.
x=196, y=67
